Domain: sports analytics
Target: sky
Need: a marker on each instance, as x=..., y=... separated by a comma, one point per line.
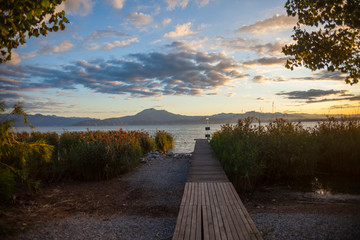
x=192, y=57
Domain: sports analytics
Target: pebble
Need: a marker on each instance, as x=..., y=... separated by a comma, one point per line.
x=307, y=226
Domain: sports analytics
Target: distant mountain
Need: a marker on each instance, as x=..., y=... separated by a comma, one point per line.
x=156, y=117
x=146, y=117
x=39, y=120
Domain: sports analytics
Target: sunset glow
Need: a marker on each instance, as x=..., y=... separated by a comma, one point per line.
x=190, y=57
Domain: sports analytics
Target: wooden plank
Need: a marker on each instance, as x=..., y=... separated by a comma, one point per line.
x=235, y=222
x=193, y=222
x=187, y=224
x=198, y=222
x=237, y=225
x=247, y=215
x=177, y=234
x=185, y=194
x=211, y=208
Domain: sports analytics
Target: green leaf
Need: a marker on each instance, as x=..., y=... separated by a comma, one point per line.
x=38, y=11
x=45, y=3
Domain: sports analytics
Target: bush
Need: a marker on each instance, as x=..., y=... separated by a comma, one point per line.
x=7, y=184
x=164, y=141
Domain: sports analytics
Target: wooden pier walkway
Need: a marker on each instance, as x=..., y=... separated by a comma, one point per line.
x=211, y=207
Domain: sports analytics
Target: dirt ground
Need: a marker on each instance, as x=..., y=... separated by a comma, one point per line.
x=123, y=196
x=286, y=200
x=154, y=189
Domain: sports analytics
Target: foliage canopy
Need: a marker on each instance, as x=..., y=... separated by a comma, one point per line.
x=25, y=18
x=334, y=45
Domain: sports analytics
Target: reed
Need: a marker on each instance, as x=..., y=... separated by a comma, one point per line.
x=90, y=155
x=164, y=141
x=283, y=151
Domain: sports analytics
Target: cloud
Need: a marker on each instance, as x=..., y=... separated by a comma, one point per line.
x=318, y=95
x=260, y=79
x=311, y=94
x=266, y=61
x=212, y=94
x=253, y=45
x=139, y=19
x=172, y=4
x=260, y=98
x=119, y=4
x=342, y=106
x=180, y=31
x=91, y=42
x=166, y=21
x=78, y=7
x=187, y=45
x=15, y=59
x=230, y=95
x=110, y=46
x=276, y=23
x=139, y=75
x=105, y=33
x=64, y=46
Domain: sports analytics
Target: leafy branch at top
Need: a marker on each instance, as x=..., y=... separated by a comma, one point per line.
x=20, y=19
x=335, y=45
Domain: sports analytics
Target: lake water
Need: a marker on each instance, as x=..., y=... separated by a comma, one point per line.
x=184, y=134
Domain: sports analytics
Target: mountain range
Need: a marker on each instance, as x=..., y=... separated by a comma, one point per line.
x=157, y=117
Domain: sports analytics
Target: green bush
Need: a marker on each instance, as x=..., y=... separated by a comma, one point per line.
x=164, y=141
x=7, y=184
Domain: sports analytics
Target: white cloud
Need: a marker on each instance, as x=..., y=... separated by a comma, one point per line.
x=77, y=7
x=172, y=4
x=180, y=31
x=15, y=58
x=119, y=4
x=64, y=46
x=110, y=46
x=274, y=24
x=229, y=95
x=139, y=19
x=166, y=21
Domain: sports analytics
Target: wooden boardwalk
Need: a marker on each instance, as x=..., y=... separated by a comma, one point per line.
x=210, y=207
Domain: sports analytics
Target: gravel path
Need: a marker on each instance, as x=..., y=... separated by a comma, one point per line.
x=121, y=227
x=307, y=226
x=156, y=186
x=155, y=195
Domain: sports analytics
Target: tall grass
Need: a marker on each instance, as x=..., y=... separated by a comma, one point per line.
x=90, y=155
x=285, y=151
x=164, y=140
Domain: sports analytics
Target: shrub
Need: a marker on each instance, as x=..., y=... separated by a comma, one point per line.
x=7, y=184
x=164, y=141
